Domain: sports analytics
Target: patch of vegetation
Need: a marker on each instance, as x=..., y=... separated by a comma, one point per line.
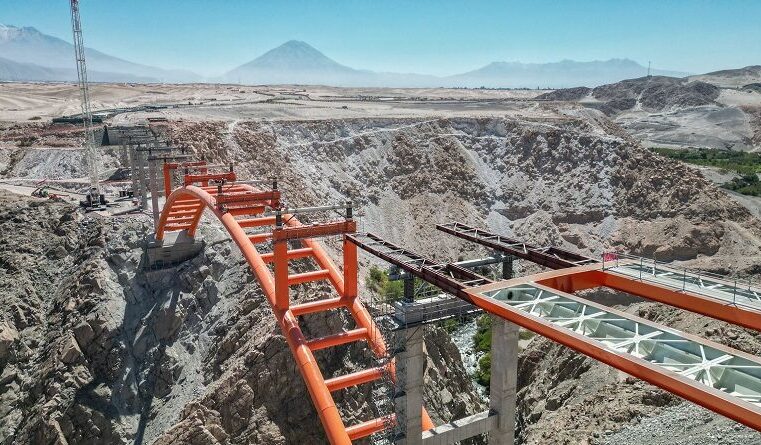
x=482, y=343
x=389, y=290
x=747, y=165
x=483, y=373
x=450, y=325
x=525, y=334
x=379, y=283
x=745, y=184
x=482, y=337
x=742, y=162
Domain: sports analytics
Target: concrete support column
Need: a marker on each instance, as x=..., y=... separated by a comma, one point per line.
x=133, y=170
x=507, y=267
x=153, y=180
x=141, y=180
x=504, y=380
x=123, y=154
x=409, y=287
x=408, y=394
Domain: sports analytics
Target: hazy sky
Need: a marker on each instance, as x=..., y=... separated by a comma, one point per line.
x=432, y=37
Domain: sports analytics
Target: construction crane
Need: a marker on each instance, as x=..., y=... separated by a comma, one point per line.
x=94, y=198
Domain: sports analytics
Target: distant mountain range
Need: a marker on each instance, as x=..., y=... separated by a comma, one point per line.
x=298, y=62
x=41, y=57
x=26, y=54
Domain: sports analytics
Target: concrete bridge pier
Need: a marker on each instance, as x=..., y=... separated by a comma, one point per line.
x=504, y=380
x=408, y=392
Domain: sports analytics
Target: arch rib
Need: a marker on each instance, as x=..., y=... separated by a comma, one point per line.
x=336, y=431
x=318, y=391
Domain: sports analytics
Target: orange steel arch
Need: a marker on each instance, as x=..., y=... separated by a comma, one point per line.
x=183, y=211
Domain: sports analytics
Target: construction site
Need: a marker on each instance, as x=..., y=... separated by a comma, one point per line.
x=229, y=264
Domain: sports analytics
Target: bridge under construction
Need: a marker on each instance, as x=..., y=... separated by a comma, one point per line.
x=272, y=238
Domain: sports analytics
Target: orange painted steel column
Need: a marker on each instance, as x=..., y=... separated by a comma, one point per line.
x=281, y=275
x=204, y=171
x=350, y=268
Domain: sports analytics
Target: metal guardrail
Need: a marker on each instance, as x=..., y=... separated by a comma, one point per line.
x=740, y=291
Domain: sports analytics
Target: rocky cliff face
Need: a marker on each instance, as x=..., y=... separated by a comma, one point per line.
x=94, y=349
x=568, y=183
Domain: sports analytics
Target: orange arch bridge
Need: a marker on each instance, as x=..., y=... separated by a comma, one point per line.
x=240, y=207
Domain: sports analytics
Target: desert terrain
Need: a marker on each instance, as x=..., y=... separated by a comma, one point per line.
x=95, y=348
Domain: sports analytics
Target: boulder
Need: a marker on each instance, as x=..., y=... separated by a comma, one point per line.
x=70, y=352
x=8, y=336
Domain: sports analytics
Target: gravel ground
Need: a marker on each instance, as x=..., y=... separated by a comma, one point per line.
x=682, y=425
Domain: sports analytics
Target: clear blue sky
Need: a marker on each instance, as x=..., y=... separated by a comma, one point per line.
x=433, y=37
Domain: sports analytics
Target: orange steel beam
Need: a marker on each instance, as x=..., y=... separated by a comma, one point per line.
x=710, y=307
x=318, y=306
x=175, y=227
x=335, y=430
x=246, y=210
x=717, y=401
x=175, y=218
x=365, y=429
x=258, y=238
x=293, y=254
x=257, y=222
x=313, y=231
x=355, y=378
x=182, y=212
x=306, y=277
x=191, y=206
x=337, y=339
x=204, y=178
x=248, y=197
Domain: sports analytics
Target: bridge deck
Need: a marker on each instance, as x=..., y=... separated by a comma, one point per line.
x=724, y=380
x=734, y=292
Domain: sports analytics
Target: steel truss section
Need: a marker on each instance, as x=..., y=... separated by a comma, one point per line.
x=719, y=378
x=551, y=257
